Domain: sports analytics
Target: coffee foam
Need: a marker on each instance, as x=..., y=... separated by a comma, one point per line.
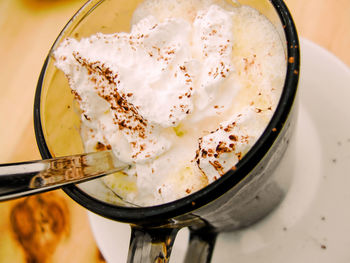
x=182, y=97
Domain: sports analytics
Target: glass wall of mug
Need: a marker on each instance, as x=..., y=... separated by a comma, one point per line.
x=238, y=199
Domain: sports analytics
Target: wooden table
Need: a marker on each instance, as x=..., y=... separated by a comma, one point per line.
x=51, y=227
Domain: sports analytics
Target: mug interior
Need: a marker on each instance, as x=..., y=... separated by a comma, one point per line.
x=57, y=121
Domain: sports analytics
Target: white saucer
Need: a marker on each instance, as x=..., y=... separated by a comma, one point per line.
x=313, y=223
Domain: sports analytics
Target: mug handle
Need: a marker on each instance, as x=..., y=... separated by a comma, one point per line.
x=201, y=245
x=154, y=245
x=151, y=245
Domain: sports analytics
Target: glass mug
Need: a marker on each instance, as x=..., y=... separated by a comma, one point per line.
x=236, y=200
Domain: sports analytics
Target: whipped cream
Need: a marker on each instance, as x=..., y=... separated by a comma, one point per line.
x=182, y=96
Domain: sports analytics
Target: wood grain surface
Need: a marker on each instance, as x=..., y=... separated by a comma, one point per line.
x=51, y=227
